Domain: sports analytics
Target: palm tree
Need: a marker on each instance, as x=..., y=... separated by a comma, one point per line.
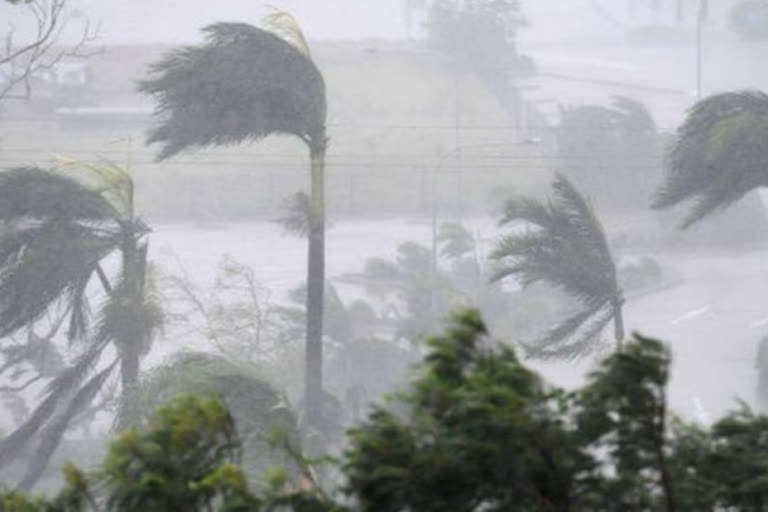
x=564, y=244
x=57, y=233
x=245, y=84
x=606, y=148
x=257, y=407
x=719, y=154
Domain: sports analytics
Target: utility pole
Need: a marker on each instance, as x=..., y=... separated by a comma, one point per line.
x=701, y=18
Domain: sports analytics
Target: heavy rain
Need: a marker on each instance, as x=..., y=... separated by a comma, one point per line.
x=383, y=255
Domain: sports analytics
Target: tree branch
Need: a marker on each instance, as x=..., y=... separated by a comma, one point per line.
x=20, y=63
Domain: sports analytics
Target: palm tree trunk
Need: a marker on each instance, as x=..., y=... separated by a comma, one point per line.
x=130, y=348
x=618, y=325
x=313, y=376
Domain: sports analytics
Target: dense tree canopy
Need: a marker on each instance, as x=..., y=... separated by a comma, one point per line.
x=476, y=430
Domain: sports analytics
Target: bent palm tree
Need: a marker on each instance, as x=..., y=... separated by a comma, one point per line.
x=719, y=154
x=245, y=84
x=57, y=232
x=564, y=245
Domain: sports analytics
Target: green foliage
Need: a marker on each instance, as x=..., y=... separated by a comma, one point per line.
x=242, y=85
x=718, y=155
x=476, y=429
x=480, y=428
x=182, y=461
x=257, y=408
x=564, y=245
x=622, y=411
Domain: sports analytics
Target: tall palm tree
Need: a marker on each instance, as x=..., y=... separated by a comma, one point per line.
x=564, y=244
x=57, y=233
x=719, y=154
x=244, y=84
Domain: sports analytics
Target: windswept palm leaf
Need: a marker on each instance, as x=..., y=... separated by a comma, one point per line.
x=112, y=182
x=297, y=214
x=125, y=318
x=284, y=25
x=56, y=392
x=244, y=84
x=563, y=243
x=456, y=240
x=54, y=430
x=39, y=264
x=34, y=193
x=575, y=336
x=719, y=154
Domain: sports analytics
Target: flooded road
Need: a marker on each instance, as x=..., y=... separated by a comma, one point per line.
x=713, y=317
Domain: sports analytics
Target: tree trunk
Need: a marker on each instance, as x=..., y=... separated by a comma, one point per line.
x=618, y=325
x=313, y=376
x=129, y=347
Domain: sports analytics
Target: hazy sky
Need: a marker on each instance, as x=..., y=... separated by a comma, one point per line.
x=180, y=20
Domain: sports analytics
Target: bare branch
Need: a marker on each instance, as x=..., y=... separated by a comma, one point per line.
x=19, y=63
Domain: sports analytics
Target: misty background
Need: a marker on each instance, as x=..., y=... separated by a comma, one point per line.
x=416, y=141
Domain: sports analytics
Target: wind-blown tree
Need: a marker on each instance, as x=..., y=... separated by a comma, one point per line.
x=257, y=407
x=610, y=148
x=57, y=231
x=564, y=244
x=22, y=60
x=719, y=154
x=244, y=84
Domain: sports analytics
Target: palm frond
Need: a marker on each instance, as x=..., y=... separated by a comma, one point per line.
x=57, y=391
x=574, y=337
x=297, y=214
x=254, y=402
x=32, y=192
x=54, y=430
x=718, y=155
x=528, y=210
x=456, y=240
x=38, y=264
x=78, y=318
x=243, y=84
x=127, y=318
x=284, y=25
x=635, y=116
x=113, y=182
x=565, y=245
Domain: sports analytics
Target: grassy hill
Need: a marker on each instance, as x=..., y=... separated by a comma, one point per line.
x=397, y=114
